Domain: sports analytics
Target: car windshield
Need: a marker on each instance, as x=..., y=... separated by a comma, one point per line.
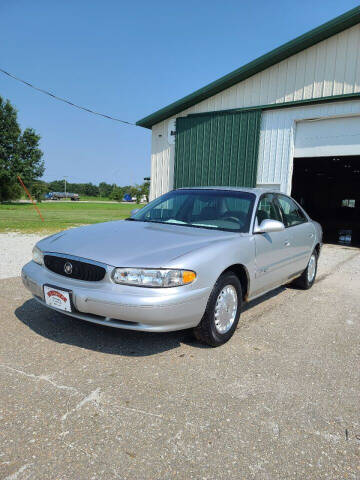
x=216, y=209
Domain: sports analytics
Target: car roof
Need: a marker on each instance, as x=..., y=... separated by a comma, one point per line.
x=255, y=191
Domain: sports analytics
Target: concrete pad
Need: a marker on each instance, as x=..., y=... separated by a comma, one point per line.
x=280, y=400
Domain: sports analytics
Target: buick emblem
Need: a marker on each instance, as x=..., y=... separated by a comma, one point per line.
x=68, y=268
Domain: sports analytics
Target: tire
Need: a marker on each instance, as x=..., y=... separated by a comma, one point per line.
x=218, y=324
x=307, y=278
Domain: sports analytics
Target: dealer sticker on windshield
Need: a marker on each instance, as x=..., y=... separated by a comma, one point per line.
x=57, y=298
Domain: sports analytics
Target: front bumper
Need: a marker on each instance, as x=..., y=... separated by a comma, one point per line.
x=121, y=306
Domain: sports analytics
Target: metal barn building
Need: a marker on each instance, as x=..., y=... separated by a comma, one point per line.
x=289, y=120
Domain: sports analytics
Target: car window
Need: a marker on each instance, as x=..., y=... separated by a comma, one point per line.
x=291, y=212
x=224, y=207
x=235, y=204
x=165, y=210
x=215, y=209
x=205, y=204
x=268, y=209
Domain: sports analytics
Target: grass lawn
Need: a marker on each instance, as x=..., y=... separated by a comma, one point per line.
x=22, y=217
x=86, y=198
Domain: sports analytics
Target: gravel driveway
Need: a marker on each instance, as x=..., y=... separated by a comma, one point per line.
x=279, y=401
x=15, y=251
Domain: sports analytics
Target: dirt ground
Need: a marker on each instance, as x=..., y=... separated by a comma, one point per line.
x=279, y=401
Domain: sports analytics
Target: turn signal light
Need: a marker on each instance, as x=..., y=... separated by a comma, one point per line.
x=188, y=276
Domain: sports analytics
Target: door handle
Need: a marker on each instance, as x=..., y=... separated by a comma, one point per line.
x=311, y=235
x=287, y=243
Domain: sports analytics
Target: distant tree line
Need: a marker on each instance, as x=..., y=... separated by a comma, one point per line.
x=107, y=190
x=39, y=188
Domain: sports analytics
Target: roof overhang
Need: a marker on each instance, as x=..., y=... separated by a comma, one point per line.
x=328, y=29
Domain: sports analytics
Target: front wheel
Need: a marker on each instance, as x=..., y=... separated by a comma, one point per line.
x=307, y=278
x=222, y=312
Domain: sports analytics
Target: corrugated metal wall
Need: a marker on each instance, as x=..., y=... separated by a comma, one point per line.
x=277, y=135
x=219, y=149
x=331, y=67
x=162, y=162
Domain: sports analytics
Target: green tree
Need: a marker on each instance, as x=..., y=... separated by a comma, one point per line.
x=105, y=189
x=56, y=186
x=117, y=193
x=38, y=190
x=145, y=188
x=137, y=192
x=19, y=153
x=90, y=190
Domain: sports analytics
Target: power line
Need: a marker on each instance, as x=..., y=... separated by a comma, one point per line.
x=64, y=100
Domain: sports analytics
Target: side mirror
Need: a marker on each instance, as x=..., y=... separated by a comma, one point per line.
x=134, y=211
x=268, y=226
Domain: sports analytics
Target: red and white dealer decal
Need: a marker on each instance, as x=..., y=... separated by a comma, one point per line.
x=57, y=298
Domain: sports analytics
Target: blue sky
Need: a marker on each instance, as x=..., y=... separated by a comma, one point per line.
x=128, y=59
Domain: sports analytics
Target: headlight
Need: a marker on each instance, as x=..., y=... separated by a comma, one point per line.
x=146, y=277
x=38, y=256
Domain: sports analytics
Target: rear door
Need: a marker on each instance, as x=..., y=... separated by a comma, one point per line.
x=301, y=232
x=273, y=250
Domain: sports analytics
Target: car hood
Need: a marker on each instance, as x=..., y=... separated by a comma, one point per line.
x=132, y=243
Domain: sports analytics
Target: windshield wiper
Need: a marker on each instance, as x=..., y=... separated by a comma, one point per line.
x=154, y=221
x=191, y=225
x=130, y=219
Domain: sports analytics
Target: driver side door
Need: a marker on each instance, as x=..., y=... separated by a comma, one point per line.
x=273, y=252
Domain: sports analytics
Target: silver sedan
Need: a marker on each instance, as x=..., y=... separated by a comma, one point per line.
x=189, y=259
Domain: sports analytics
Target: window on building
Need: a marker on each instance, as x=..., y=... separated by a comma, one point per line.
x=348, y=203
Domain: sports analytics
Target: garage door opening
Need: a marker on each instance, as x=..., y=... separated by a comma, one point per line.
x=329, y=190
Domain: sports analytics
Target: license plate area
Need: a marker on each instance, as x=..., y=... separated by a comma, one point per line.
x=59, y=298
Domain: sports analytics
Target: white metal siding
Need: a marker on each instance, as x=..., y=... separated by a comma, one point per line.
x=277, y=133
x=162, y=161
x=332, y=67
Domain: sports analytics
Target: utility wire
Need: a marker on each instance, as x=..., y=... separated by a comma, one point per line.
x=64, y=100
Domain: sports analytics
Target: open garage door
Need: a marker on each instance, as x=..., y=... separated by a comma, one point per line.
x=329, y=190
x=326, y=175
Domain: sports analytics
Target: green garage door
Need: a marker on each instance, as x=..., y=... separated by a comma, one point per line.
x=217, y=149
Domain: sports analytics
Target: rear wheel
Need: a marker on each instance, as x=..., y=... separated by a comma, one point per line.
x=307, y=278
x=222, y=311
